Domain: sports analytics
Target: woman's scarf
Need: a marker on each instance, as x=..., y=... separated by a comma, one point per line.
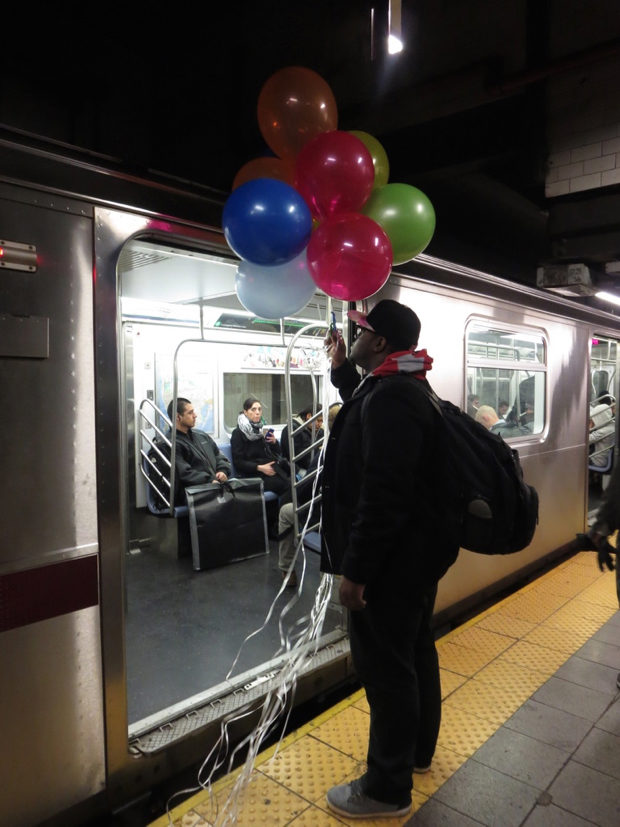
x=250, y=430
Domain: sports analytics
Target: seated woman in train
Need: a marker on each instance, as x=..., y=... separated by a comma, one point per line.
x=255, y=454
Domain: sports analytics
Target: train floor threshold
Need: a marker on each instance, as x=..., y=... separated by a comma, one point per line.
x=530, y=731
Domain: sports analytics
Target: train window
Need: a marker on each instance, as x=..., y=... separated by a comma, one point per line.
x=506, y=371
x=269, y=388
x=603, y=354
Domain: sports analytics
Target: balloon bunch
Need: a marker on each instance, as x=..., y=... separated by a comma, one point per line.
x=321, y=213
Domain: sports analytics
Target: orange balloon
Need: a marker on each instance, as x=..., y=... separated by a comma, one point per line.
x=265, y=168
x=294, y=106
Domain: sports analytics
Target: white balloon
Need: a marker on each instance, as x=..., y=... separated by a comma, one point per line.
x=275, y=292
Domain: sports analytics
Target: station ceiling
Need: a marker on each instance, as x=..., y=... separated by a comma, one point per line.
x=465, y=113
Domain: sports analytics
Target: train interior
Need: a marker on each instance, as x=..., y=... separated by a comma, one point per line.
x=193, y=635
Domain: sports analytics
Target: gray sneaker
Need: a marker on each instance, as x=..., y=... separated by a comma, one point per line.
x=350, y=800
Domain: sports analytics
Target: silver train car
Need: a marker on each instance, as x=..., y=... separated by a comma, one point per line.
x=117, y=295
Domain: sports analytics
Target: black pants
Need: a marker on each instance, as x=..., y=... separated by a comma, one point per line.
x=394, y=655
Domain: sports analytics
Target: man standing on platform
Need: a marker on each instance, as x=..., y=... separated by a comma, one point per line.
x=383, y=530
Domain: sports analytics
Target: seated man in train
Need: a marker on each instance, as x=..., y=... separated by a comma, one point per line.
x=303, y=438
x=198, y=460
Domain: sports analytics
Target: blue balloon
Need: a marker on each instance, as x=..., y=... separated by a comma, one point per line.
x=275, y=292
x=266, y=222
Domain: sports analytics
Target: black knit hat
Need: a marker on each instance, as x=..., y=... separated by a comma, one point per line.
x=396, y=322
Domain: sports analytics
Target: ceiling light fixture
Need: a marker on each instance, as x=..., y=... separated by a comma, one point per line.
x=612, y=298
x=395, y=43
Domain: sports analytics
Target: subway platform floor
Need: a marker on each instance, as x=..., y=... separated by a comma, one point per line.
x=530, y=731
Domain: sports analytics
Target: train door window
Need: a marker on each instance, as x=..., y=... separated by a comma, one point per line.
x=603, y=374
x=603, y=393
x=506, y=370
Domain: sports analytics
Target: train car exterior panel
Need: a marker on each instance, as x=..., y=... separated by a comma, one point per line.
x=51, y=717
x=49, y=641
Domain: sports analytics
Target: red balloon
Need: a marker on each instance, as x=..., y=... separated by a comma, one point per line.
x=266, y=167
x=349, y=257
x=294, y=105
x=334, y=173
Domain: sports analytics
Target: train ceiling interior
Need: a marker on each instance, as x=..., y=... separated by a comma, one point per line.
x=504, y=112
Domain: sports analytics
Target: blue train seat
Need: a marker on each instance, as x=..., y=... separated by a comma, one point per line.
x=609, y=464
x=312, y=541
x=152, y=505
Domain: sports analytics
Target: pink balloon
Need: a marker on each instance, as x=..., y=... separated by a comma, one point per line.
x=349, y=256
x=334, y=173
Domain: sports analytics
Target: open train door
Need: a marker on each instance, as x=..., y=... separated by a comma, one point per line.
x=602, y=425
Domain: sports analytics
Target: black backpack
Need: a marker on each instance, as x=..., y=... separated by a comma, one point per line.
x=489, y=507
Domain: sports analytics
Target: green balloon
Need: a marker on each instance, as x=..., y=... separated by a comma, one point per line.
x=407, y=217
x=379, y=156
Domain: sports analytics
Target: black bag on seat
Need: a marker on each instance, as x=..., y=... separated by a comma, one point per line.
x=227, y=521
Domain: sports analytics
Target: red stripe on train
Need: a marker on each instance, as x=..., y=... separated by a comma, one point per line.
x=39, y=594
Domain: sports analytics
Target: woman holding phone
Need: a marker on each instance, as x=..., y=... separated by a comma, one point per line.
x=257, y=454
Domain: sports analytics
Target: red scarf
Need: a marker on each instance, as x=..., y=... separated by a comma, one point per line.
x=405, y=361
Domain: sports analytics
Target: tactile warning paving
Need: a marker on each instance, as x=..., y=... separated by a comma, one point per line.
x=565, y=640
x=445, y=763
x=309, y=767
x=463, y=732
x=346, y=731
x=603, y=593
x=493, y=703
x=502, y=673
x=262, y=801
x=484, y=641
x=362, y=704
x=506, y=625
x=191, y=819
x=538, y=658
x=449, y=682
x=461, y=659
x=533, y=607
x=315, y=817
x=581, y=615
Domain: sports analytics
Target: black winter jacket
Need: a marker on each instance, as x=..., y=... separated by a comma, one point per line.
x=301, y=440
x=248, y=454
x=197, y=459
x=381, y=493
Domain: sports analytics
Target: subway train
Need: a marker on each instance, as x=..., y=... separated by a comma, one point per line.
x=120, y=659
